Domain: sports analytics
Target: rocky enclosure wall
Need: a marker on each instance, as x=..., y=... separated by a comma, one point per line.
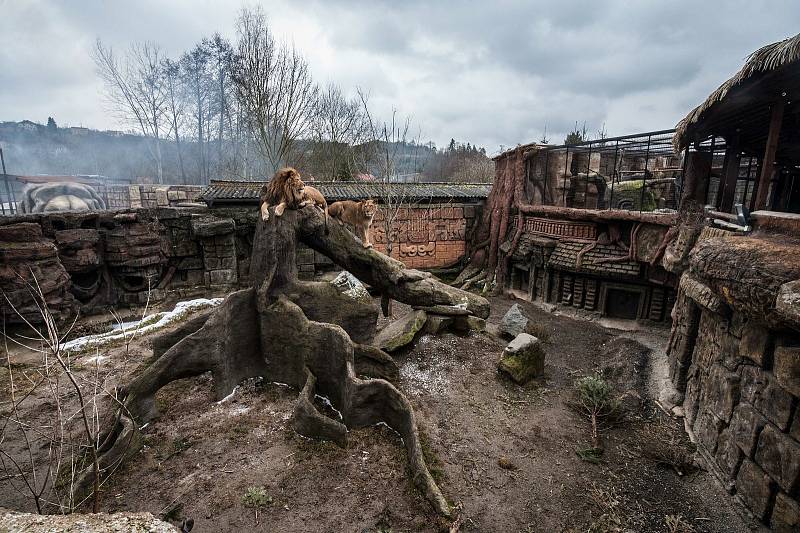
x=735, y=357
x=90, y=261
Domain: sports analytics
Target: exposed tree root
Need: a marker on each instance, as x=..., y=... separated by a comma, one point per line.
x=304, y=334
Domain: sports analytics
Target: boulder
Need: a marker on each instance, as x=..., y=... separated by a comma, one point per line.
x=523, y=358
x=351, y=286
x=400, y=332
x=514, y=322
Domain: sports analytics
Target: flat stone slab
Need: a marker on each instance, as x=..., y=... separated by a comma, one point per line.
x=83, y=523
x=523, y=359
x=400, y=332
x=448, y=310
x=514, y=322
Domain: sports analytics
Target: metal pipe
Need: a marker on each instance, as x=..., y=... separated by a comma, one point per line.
x=564, y=184
x=644, y=177
x=613, y=174
x=12, y=198
x=545, y=200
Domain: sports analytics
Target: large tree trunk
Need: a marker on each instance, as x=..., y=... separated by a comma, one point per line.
x=305, y=334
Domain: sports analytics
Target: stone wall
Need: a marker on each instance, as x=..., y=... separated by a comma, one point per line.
x=736, y=361
x=90, y=261
x=135, y=196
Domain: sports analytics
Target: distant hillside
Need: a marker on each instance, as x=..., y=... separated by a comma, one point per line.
x=32, y=148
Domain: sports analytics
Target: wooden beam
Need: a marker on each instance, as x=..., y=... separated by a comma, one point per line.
x=730, y=175
x=768, y=162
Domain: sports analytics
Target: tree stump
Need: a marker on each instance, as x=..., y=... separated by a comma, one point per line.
x=303, y=333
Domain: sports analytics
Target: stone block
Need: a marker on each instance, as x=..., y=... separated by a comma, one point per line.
x=721, y=392
x=437, y=324
x=755, y=488
x=761, y=390
x=779, y=455
x=514, y=322
x=728, y=456
x=465, y=324
x=400, y=332
x=162, y=198
x=785, y=514
x=209, y=227
x=746, y=425
x=23, y=232
x=523, y=358
x=787, y=368
x=795, y=429
x=222, y=277
x=755, y=343
x=707, y=428
x=787, y=303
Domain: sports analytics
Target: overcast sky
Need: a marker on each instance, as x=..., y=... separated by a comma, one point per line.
x=491, y=73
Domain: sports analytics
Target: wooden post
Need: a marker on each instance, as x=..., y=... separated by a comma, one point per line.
x=730, y=175
x=767, y=164
x=695, y=178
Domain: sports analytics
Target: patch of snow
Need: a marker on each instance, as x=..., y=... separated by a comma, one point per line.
x=328, y=404
x=151, y=323
x=229, y=396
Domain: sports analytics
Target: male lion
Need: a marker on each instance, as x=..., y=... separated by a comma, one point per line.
x=357, y=214
x=286, y=189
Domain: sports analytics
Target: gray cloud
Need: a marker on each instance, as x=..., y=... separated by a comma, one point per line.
x=492, y=73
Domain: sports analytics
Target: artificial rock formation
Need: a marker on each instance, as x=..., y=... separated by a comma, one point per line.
x=306, y=334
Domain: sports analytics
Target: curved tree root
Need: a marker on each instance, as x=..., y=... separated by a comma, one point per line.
x=304, y=334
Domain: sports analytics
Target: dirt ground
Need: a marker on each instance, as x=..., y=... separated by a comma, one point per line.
x=505, y=456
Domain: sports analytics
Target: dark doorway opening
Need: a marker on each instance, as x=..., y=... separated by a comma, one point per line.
x=621, y=303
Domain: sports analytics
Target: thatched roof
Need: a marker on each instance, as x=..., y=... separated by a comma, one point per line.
x=746, y=87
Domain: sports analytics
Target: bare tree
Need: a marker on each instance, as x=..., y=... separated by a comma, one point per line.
x=339, y=125
x=68, y=428
x=274, y=87
x=198, y=85
x=177, y=105
x=137, y=91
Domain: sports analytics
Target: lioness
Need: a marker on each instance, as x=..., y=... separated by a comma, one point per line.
x=357, y=214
